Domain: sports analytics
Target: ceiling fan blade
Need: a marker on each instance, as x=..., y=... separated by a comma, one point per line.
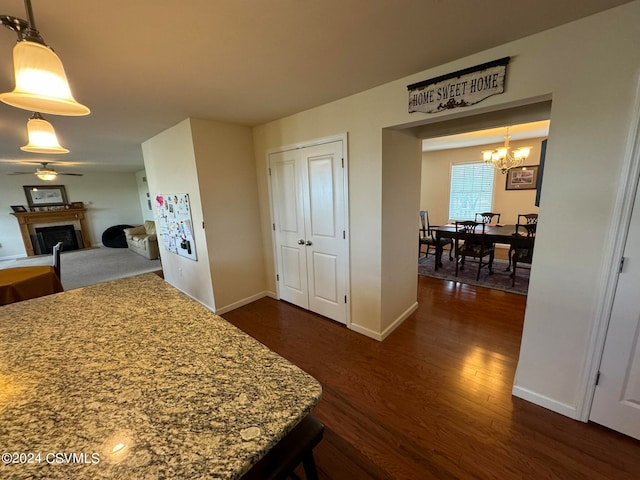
x=20, y=173
x=75, y=174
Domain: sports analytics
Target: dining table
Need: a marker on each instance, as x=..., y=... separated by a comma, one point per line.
x=494, y=233
x=134, y=379
x=22, y=283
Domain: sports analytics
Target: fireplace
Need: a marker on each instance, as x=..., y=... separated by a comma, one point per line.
x=28, y=221
x=47, y=237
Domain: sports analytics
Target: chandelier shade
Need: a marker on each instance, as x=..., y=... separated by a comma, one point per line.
x=42, y=137
x=40, y=82
x=503, y=158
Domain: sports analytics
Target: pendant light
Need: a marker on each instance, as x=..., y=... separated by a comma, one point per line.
x=42, y=137
x=40, y=81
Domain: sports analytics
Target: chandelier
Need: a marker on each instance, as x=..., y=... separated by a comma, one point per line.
x=503, y=158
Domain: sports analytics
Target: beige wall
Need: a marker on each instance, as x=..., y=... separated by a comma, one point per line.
x=400, y=195
x=228, y=189
x=170, y=163
x=111, y=199
x=436, y=179
x=212, y=162
x=589, y=124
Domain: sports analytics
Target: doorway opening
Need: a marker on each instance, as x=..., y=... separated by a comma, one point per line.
x=457, y=185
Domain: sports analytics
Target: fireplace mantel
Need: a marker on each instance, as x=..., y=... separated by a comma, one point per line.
x=32, y=218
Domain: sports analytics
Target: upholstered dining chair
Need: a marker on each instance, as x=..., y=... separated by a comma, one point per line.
x=522, y=249
x=470, y=242
x=56, y=258
x=487, y=217
x=428, y=238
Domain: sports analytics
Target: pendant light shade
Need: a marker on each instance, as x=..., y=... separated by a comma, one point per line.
x=42, y=137
x=40, y=82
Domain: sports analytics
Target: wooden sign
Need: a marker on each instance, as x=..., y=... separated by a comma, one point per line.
x=458, y=89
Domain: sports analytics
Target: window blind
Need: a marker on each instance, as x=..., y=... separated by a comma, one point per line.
x=471, y=190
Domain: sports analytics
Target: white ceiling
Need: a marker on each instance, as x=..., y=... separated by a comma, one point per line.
x=521, y=131
x=143, y=66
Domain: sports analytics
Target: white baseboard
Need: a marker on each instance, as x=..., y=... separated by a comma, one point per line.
x=387, y=331
x=398, y=321
x=243, y=302
x=208, y=307
x=546, y=402
x=365, y=331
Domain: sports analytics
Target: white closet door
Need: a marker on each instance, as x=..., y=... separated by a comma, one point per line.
x=308, y=192
x=325, y=227
x=289, y=219
x=616, y=402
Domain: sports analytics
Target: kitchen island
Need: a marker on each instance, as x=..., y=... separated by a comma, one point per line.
x=132, y=379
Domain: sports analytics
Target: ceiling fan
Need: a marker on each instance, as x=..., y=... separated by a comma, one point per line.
x=45, y=173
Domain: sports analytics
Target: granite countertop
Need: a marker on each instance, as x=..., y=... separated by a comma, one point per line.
x=132, y=379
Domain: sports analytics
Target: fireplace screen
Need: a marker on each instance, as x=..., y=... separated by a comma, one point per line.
x=47, y=237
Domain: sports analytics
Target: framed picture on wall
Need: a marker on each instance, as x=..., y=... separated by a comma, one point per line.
x=18, y=208
x=45, y=195
x=522, y=178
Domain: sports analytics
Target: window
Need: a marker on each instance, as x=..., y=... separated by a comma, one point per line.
x=471, y=190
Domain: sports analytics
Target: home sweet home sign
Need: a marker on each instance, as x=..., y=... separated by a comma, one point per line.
x=458, y=89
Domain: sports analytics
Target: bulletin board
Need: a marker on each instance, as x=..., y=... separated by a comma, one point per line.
x=175, y=224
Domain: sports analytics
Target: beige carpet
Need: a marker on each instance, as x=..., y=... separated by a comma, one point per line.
x=80, y=268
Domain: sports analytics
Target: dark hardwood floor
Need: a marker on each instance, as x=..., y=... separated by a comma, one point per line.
x=433, y=400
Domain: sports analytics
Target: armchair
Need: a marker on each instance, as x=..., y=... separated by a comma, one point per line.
x=143, y=240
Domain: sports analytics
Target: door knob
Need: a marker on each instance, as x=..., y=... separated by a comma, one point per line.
x=301, y=242
x=308, y=243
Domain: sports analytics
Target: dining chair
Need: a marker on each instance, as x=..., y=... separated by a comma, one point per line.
x=470, y=242
x=428, y=238
x=487, y=217
x=294, y=449
x=526, y=220
x=522, y=249
x=56, y=258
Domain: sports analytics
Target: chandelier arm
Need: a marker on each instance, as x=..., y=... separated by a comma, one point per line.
x=18, y=25
x=25, y=29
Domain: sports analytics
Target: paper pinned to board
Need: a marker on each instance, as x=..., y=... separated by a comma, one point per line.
x=175, y=225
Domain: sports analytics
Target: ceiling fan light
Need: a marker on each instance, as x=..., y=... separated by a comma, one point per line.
x=42, y=137
x=46, y=175
x=40, y=82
